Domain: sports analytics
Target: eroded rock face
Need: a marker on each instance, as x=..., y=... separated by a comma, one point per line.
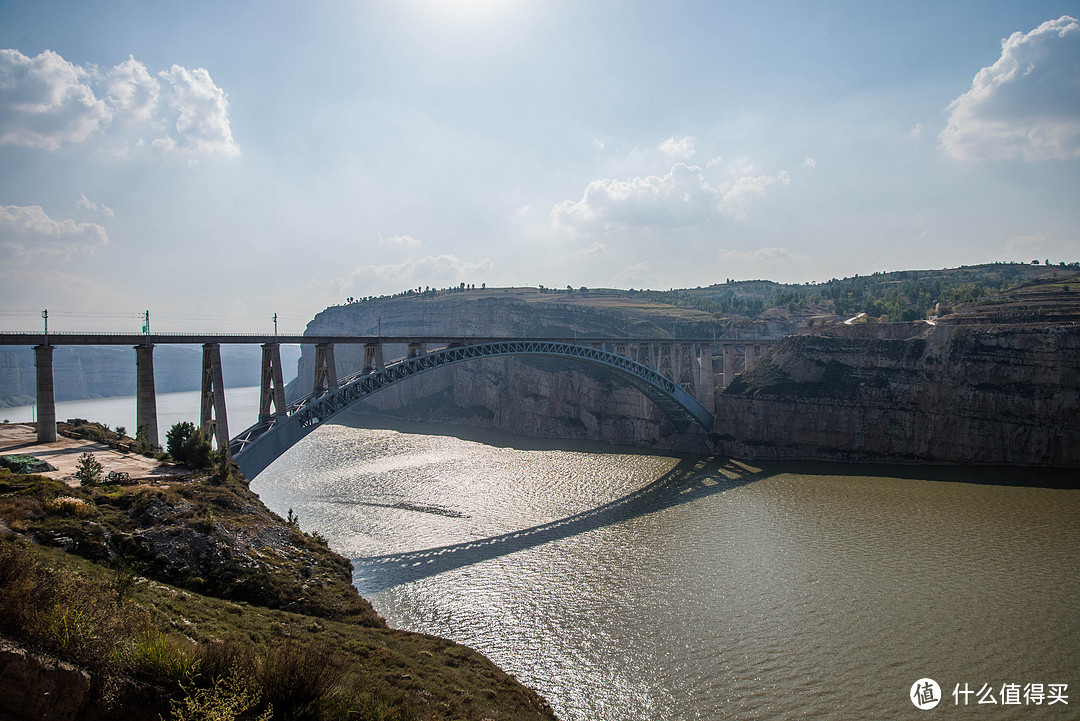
x=897, y=392
x=962, y=394
x=531, y=396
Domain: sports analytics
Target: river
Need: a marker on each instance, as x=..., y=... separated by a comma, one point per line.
x=626, y=585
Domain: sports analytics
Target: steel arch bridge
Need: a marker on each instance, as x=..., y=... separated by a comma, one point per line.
x=258, y=446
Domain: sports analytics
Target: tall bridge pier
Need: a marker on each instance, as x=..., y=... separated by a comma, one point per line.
x=146, y=395
x=46, y=399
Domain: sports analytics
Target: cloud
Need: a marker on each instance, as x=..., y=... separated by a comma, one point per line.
x=131, y=91
x=809, y=163
x=30, y=233
x=433, y=270
x=682, y=148
x=47, y=101
x=202, y=122
x=638, y=271
x=83, y=203
x=1028, y=243
x=683, y=197
x=1027, y=104
x=401, y=240
x=760, y=255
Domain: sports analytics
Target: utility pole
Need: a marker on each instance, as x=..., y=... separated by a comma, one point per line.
x=45, y=315
x=275, y=327
x=146, y=323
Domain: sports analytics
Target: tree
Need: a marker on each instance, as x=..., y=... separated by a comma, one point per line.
x=198, y=451
x=189, y=445
x=176, y=440
x=88, y=470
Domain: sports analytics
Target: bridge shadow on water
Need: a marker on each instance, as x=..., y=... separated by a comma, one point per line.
x=691, y=479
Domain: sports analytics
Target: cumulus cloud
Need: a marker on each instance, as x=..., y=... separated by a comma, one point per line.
x=47, y=101
x=131, y=91
x=1027, y=104
x=684, y=196
x=434, y=270
x=202, y=114
x=682, y=148
x=28, y=232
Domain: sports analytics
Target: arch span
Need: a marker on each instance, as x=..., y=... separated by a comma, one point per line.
x=258, y=446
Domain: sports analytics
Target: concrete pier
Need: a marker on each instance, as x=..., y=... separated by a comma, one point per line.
x=145, y=394
x=325, y=367
x=271, y=385
x=373, y=357
x=749, y=356
x=213, y=418
x=46, y=398
x=729, y=363
x=707, y=384
x=416, y=349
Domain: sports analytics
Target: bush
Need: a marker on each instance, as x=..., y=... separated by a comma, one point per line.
x=176, y=440
x=88, y=470
x=189, y=445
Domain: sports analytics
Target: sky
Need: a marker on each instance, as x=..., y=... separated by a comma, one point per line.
x=217, y=163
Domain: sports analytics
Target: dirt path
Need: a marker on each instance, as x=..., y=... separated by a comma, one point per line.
x=21, y=439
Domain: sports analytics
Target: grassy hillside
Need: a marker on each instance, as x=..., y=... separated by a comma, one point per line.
x=190, y=600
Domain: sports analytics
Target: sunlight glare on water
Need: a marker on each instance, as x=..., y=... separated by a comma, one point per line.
x=623, y=585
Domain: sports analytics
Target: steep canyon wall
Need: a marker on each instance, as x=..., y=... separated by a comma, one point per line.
x=951, y=394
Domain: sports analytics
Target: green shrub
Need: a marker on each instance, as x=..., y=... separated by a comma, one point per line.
x=88, y=470
x=226, y=700
x=189, y=445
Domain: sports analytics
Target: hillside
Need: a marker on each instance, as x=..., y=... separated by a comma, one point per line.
x=184, y=594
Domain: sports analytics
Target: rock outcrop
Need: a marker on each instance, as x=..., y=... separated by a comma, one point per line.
x=1006, y=395
x=956, y=393
x=531, y=396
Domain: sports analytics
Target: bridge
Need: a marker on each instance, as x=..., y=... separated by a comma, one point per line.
x=675, y=373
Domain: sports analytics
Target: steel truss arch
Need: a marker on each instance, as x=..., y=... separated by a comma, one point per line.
x=255, y=448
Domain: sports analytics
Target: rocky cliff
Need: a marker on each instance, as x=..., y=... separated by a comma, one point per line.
x=946, y=394
x=531, y=396
x=998, y=383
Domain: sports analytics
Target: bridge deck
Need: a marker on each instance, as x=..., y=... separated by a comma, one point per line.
x=27, y=339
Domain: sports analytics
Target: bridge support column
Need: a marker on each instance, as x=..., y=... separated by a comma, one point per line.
x=663, y=360
x=325, y=368
x=146, y=395
x=271, y=386
x=46, y=400
x=729, y=363
x=706, y=382
x=373, y=357
x=416, y=349
x=688, y=376
x=213, y=418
